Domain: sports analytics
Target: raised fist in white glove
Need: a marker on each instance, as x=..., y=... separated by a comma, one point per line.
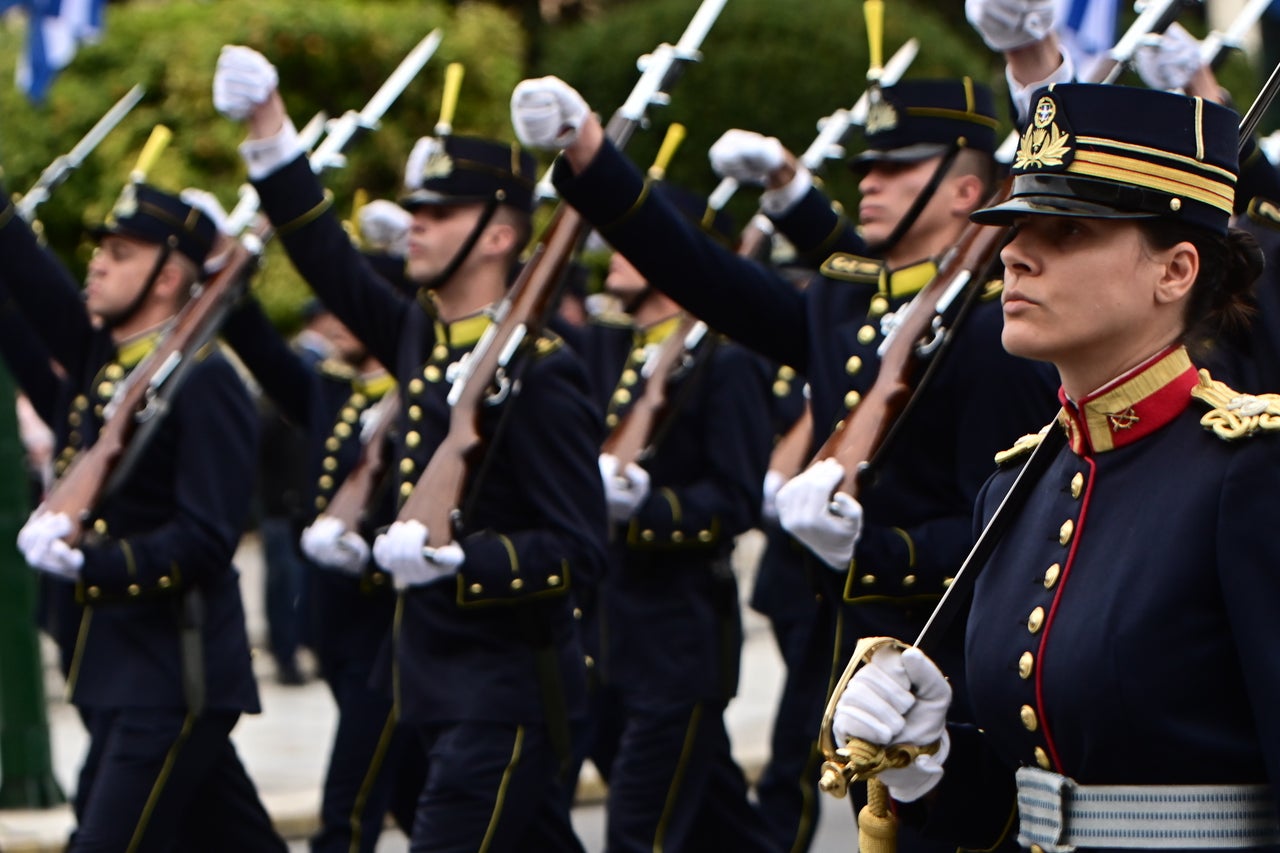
x=805, y=510
x=330, y=545
x=1168, y=61
x=242, y=80
x=384, y=227
x=624, y=490
x=746, y=156
x=773, y=480
x=41, y=542
x=1009, y=24
x=547, y=112
x=899, y=697
x=403, y=552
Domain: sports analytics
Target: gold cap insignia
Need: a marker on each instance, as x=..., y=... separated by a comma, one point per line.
x=438, y=165
x=881, y=116
x=1043, y=143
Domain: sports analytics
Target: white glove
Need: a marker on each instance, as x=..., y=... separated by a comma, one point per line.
x=624, y=490
x=384, y=227
x=746, y=156
x=1007, y=24
x=242, y=80
x=900, y=697
x=1168, y=61
x=773, y=481
x=208, y=204
x=416, y=165
x=403, y=552
x=330, y=545
x=805, y=511
x=547, y=112
x=41, y=543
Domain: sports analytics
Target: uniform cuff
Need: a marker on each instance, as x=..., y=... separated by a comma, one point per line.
x=265, y=156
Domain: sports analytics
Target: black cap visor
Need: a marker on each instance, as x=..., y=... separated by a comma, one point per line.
x=428, y=198
x=1060, y=195
x=862, y=163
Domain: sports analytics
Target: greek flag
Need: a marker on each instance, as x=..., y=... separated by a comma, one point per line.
x=1087, y=29
x=55, y=28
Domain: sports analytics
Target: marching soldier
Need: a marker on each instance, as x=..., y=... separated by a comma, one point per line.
x=375, y=766
x=1133, y=588
x=487, y=668
x=160, y=667
x=885, y=570
x=660, y=740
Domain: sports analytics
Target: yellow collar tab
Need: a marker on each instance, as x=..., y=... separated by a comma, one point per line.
x=907, y=281
x=658, y=332
x=1131, y=406
x=374, y=385
x=134, y=350
x=464, y=332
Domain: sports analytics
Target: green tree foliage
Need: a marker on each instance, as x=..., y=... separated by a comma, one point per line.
x=775, y=67
x=331, y=56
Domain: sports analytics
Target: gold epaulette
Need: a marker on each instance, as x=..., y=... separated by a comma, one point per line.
x=1234, y=415
x=335, y=369
x=1265, y=212
x=846, y=267
x=1022, y=446
x=547, y=343
x=992, y=290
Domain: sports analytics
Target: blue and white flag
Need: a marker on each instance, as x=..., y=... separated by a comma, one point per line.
x=1087, y=29
x=55, y=28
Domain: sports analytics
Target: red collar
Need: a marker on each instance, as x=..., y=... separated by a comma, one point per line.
x=1131, y=406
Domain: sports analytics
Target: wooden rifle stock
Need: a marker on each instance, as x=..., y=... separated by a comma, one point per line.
x=438, y=493
x=142, y=399
x=792, y=449
x=859, y=436
x=351, y=501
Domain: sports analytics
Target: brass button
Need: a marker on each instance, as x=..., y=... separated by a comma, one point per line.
x=413, y=438
x=517, y=584
x=629, y=377
x=475, y=589
x=946, y=582
x=852, y=399
x=577, y=613
x=1028, y=716
x=415, y=413
x=909, y=581
x=866, y=334
x=704, y=535
x=406, y=466
x=1036, y=620
x=326, y=482
x=589, y=661
x=133, y=589
x=164, y=582
x=637, y=354
x=622, y=396
x=1042, y=758
x=74, y=437
x=611, y=420
x=332, y=443
x=329, y=464
x=432, y=373
x=440, y=352
x=839, y=425
x=93, y=592
x=879, y=305
x=1026, y=665
x=349, y=414
x=1077, y=485
x=114, y=371
x=416, y=385
x=73, y=419
x=80, y=402
x=342, y=430
x=1051, y=575
x=647, y=535
x=786, y=372
x=321, y=502
x=406, y=489
x=1064, y=532
x=106, y=389
x=781, y=388
x=553, y=580
x=359, y=400
x=868, y=580
x=677, y=536
x=1036, y=848
x=853, y=365
x=378, y=578
x=100, y=526
x=98, y=410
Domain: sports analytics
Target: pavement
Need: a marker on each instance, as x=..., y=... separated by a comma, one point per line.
x=285, y=748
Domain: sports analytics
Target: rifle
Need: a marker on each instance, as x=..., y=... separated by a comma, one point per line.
x=483, y=375
x=64, y=164
x=792, y=449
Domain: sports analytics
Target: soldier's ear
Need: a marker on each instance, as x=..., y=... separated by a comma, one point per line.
x=1181, y=267
x=969, y=194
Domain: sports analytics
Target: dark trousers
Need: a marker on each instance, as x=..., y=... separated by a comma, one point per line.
x=156, y=780
x=286, y=597
x=375, y=767
x=491, y=787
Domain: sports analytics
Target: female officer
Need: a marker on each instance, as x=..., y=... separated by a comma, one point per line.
x=1119, y=649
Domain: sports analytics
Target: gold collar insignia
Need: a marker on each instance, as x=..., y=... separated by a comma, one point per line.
x=1043, y=144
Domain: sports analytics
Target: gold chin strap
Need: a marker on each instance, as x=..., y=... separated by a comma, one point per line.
x=859, y=760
